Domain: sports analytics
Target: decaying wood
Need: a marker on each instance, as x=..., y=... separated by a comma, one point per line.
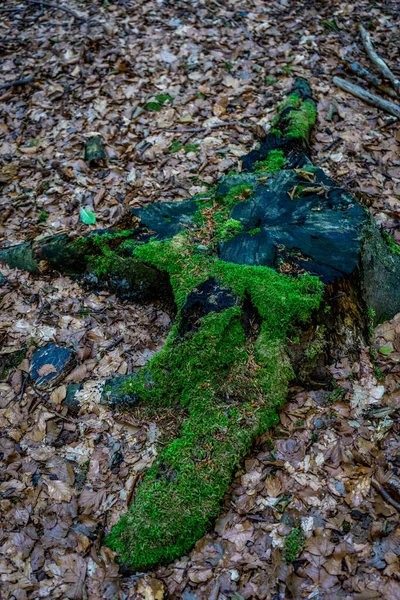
x=377, y=60
x=363, y=73
x=359, y=92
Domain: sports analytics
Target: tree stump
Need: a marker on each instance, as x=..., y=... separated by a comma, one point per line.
x=270, y=275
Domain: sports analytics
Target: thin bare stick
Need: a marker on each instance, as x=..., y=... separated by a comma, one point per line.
x=360, y=71
x=23, y=81
x=379, y=488
x=59, y=7
x=359, y=92
x=214, y=126
x=377, y=60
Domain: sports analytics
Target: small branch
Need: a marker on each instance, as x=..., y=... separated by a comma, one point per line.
x=214, y=126
x=112, y=345
x=23, y=81
x=359, y=92
x=59, y=7
x=377, y=60
x=363, y=73
x=385, y=494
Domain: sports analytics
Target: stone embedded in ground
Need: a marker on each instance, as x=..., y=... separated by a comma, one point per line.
x=50, y=364
x=71, y=401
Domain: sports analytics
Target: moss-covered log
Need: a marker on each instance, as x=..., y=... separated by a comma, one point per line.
x=270, y=274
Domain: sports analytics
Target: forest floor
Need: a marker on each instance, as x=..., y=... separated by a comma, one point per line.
x=155, y=79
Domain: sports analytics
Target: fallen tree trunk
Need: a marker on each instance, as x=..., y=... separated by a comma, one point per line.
x=270, y=275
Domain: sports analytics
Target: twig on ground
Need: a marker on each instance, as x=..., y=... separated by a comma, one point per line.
x=385, y=495
x=58, y=7
x=359, y=70
x=22, y=81
x=332, y=144
x=359, y=92
x=112, y=345
x=213, y=126
x=215, y=591
x=377, y=60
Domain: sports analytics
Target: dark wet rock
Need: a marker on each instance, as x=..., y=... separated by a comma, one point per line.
x=116, y=393
x=50, y=364
x=94, y=150
x=167, y=218
x=207, y=297
x=71, y=401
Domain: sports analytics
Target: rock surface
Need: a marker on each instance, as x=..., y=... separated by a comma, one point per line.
x=50, y=364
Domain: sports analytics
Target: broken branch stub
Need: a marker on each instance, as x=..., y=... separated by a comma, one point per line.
x=270, y=275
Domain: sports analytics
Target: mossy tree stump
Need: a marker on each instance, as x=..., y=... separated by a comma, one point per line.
x=269, y=275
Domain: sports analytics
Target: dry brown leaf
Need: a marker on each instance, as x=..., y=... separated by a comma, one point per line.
x=58, y=394
x=151, y=588
x=77, y=374
x=58, y=491
x=16, y=381
x=46, y=369
x=90, y=500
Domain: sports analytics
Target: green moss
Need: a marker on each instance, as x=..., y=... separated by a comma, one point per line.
x=254, y=231
x=43, y=216
x=191, y=148
x=175, y=146
x=393, y=247
x=274, y=162
x=293, y=546
x=301, y=121
x=11, y=361
x=230, y=387
x=229, y=229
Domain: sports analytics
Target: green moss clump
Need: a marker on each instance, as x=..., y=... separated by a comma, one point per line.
x=230, y=386
x=274, y=162
x=301, y=121
x=229, y=229
x=393, y=247
x=293, y=546
x=254, y=231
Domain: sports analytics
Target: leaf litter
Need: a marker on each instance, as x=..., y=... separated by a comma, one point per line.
x=155, y=82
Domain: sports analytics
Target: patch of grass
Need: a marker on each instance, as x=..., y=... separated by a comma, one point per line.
x=175, y=146
x=293, y=546
x=330, y=25
x=192, y=148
